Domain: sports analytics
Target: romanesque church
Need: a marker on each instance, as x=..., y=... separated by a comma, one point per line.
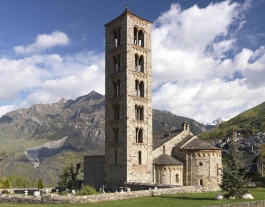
x=133, y=155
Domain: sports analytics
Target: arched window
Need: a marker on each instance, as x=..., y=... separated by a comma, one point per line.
x=201, y=182
x=141, y=89
x=116, y=132
x=142, y=113
x=141, y=64
x=136, y=134
x=117, y=39
x=177, y=178
x=116, y=61
x=141, y=38
x=116, y=112
x=139, y=135
x=137, y=90
x=164, y=149
x=139, y=157
x=117, y=88
x=139, y=112
x=136, y=60
x=135, y=35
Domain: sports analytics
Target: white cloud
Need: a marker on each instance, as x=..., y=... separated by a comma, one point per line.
x=196, y=71
x=194, y=74
x=44, y=42
x=48, y=78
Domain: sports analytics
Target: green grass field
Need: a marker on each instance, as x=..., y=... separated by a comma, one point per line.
x=180, y=200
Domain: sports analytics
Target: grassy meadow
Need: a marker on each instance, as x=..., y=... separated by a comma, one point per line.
x=174, y=200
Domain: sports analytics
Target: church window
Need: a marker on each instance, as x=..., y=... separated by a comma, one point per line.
x=117, y=88
x=138, y=37
x=139, y=157
x=200, y=164
x=135, y=35
x=141, y=38
x=139, y=63
x=217, y=170
x=116, y=132
x=139, y=88
x=177, y=178
x=116, y=157
x=201, y=182
x=116, y=61
x=164, y=149
x=140, y=139
x=116, y=112
x=139, y=135
x=117, y=35
x=139, y=112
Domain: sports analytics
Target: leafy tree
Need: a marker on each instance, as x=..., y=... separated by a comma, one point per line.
x=5, y=183
x=40, y=183
x=2, y=157
x=233, y=178
x=69, y=175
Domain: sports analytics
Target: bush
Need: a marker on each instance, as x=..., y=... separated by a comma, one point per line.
x=5, y=183
x=63, y=193
x=5, y=192
x=87, y=190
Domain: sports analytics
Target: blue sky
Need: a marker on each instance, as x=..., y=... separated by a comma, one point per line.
x=208, y=56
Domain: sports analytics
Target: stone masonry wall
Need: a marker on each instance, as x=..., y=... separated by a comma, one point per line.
x=170, y=144
x=122, y=153
x=203, y=167
x=55, y=199
x=94, y=171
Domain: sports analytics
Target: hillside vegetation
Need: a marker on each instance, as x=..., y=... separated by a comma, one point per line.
x=246, y=123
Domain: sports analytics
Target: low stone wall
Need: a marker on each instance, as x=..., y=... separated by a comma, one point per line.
x=54, y=198
x=243, y=204
x=146, y=186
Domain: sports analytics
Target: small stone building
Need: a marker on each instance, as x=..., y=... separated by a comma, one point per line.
x=181, y=158
x=132, y=153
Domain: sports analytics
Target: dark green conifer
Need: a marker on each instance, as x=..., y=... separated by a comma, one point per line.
x=40, y=183
x=233, y=177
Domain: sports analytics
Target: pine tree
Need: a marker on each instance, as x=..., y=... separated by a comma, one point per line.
x=233, y=178
x=40, y=183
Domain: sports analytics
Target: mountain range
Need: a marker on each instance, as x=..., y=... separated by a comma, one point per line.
x=216, y=122
x=44, y=138
x=244, y=124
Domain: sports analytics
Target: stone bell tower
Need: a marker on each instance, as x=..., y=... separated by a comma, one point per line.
x=128, y=107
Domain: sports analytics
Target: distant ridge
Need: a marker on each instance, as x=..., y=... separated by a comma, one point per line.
x=245, y=124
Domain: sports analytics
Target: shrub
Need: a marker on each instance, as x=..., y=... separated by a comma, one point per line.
x=87, y=190
x=5, y=192
x=63, y=193
x=5, y=183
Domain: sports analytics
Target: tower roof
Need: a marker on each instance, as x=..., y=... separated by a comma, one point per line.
x=125, y=12
x=128, y=10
